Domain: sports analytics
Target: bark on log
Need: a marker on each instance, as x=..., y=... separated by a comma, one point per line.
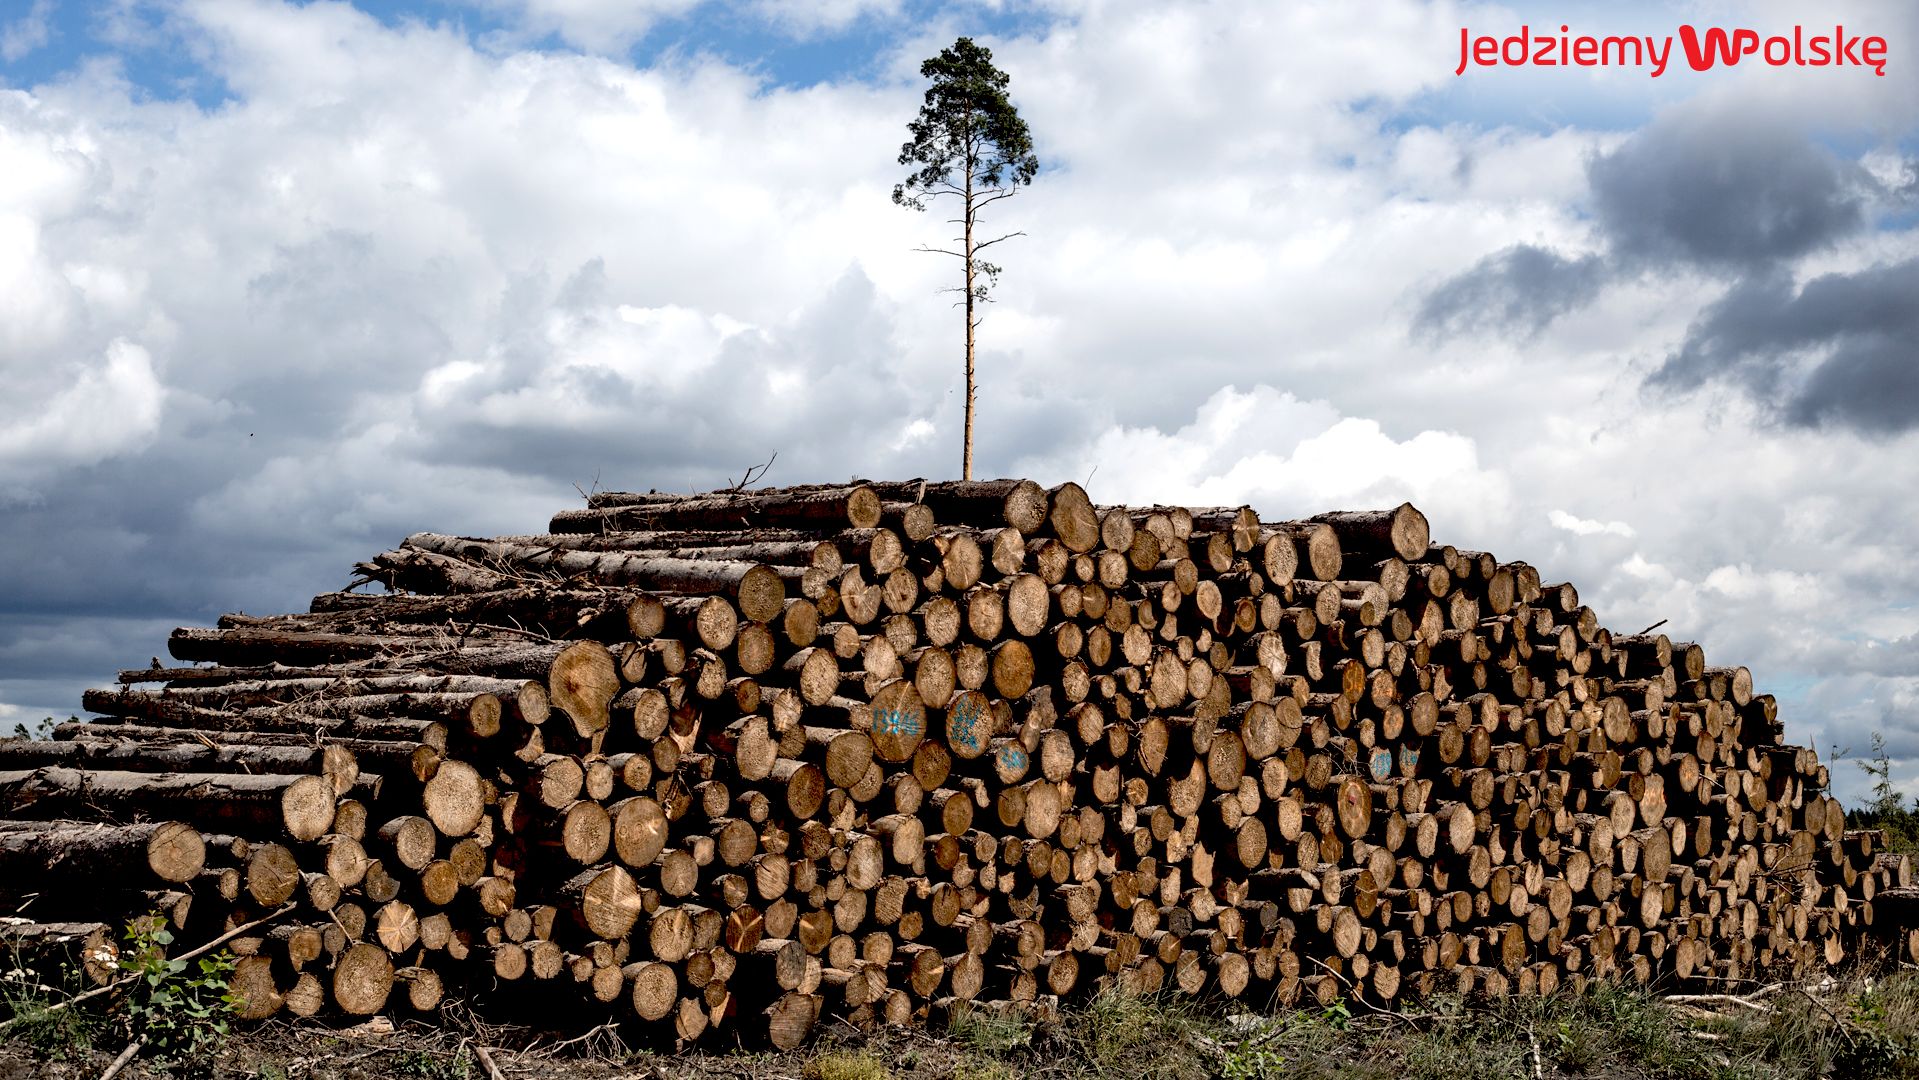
x=756, y=588
x=854, y=505
x=206, y=801
x=38, y=856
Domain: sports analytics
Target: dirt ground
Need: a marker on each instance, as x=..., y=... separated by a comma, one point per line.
x=1863, y=1028
x=310, y=1052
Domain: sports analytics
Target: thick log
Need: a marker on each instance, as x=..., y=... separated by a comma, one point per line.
x=1401, y=531
x=88, y=947
x=44, y=855
x=206, y=801
x=855, y=505
x=757, y=589
x=259, y=645
x=431, y=572
x=165, y=713
x=104, y=751
x=362, y=979
x=460, y=698
x=1020, y=504
x=557, y=612
x=114, y=740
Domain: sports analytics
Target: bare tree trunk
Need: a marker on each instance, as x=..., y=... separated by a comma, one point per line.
x=966, y=462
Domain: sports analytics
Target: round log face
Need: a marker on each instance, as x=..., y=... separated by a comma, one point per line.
x=582, y=683
x=454, y=799
x=362, y=980
x=899, y=721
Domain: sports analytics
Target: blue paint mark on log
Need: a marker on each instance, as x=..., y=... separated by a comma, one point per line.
x=898, y=722
x=963, y=726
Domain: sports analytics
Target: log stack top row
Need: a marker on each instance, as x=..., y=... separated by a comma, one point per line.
x=728, y=763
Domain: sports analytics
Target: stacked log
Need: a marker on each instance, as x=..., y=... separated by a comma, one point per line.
x=730, y=762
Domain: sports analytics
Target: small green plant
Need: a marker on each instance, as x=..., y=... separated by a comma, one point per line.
x=431, y=1066
x=1252, y=1061
x=181, y=1009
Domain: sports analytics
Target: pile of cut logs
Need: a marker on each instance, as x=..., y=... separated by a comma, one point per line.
x=730, y=762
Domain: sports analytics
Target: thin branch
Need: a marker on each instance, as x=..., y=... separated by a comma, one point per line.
x=1715, y=999
x=754, y=473
x=977, y=248
x=939, y=251
x=486, y=1062
x=126, y=1055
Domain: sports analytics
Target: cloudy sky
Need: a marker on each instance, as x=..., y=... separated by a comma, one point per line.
x=281, y=283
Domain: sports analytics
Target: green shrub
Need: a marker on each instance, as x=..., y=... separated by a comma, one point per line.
x=181, y=1009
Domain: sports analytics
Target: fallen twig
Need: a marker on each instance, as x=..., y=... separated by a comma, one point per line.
x=1716, y=999
x=486, y=1062
x=610, y=1026
x=126, y=1055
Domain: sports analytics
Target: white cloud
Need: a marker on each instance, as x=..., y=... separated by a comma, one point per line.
x=808, y=18
x=917, y=432
x=610, y=27
x=28, y=33
x=108, y=408
x=1267, y=448
x=603, y=26
x=1579, y=526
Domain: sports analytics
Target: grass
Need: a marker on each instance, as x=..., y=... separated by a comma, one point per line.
x=1862, y=1030
x=1859, y=1029
x=845, y=1065
x=28, y=1001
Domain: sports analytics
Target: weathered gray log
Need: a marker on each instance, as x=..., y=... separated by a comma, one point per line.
x=206, y=801
x=103, y=751
x=756, y=588
x=163, y=713
x=832, y=507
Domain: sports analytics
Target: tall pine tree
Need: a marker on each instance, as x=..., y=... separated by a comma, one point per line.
x=968, y=142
